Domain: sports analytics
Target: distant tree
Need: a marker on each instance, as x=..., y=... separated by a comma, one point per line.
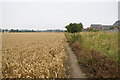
x=17, y=30
x=32, y=30
x=111, y=28
x=74, y=27
x=65, y=31
x=12, y=30
x=3, y=30
x=6, y=30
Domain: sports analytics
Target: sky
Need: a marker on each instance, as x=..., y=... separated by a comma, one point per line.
x=56, y=14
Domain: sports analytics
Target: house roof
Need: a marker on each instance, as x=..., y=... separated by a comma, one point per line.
x=117, y=23
x=107, y=26
x=95, y=26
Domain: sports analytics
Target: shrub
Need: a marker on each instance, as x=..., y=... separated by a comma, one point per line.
x=72, y=38
x=74, y=27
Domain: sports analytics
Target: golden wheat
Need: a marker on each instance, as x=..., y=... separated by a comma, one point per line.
x=33, y=55
x=0, y=55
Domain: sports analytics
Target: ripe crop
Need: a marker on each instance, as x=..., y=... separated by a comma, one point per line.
x=33, y=55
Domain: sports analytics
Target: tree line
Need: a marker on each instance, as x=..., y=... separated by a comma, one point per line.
x=25, y=30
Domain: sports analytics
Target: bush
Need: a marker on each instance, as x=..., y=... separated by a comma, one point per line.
x=74, y=27
x=72, y=38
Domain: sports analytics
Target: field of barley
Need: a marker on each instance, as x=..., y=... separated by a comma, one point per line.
x=0, y=55
x=33, y=55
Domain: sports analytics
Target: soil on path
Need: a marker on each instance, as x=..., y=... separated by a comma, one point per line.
x=75, y=71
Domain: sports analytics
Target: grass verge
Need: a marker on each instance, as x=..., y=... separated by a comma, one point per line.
x=94, y=60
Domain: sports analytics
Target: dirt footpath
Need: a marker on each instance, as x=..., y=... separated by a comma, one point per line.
x=75, y=71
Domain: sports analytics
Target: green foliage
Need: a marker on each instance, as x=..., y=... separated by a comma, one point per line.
x=111, y=28
x=72, y=38
x=65, y=31
x=3, y=30
x=98, y=50
x=74, y=27
x=104, y=42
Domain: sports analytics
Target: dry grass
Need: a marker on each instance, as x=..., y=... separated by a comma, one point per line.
x=104, y=42
x=33, y=55
x=97, y=53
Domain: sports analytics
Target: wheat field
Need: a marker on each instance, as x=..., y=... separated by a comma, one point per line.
x=33, y=55
x=0, y=55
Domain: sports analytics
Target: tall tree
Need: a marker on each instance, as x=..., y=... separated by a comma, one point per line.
x=74, y=27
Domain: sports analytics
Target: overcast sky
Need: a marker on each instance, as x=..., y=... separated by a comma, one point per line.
x=56, y=15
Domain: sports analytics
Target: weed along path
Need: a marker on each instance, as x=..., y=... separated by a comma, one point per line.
x=75, y=70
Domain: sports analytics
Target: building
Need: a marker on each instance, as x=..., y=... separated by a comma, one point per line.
x=96, y=26
x=106, y=27
x=117, y=23
x=115, y=26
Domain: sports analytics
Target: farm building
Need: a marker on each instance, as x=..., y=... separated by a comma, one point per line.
x=96, y=26
x=117, y=23
x=106, y=27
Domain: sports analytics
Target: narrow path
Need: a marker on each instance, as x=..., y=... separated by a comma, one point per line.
x=75, y=70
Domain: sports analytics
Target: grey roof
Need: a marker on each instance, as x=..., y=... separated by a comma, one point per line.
x=107, y=26
x=117, y=23
x=95, y=26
